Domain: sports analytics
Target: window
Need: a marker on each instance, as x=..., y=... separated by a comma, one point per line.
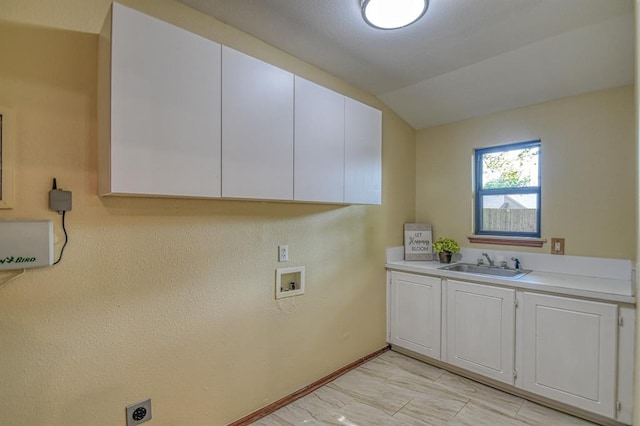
x=507, y=184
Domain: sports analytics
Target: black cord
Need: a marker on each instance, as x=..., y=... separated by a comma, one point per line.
x=66, y=240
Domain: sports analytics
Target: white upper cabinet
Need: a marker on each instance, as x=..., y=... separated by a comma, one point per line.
x=570, y=351
x=363, y=153
x=319, y=143
x=182, y=116
x=257, y=128
x=481, y=329
x=159, y=91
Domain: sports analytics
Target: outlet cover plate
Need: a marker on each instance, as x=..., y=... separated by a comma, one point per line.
x=283, y=253
x=557, y=245
x=139, y=413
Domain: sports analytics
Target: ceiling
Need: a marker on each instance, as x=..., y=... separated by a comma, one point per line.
x=464, y=59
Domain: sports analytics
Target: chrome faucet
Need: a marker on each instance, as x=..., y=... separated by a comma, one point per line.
x=490, y=260
x=517, y=261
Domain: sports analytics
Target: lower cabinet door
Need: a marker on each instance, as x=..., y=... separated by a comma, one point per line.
x=414, y=313
x=569, y=351
x=481, y=329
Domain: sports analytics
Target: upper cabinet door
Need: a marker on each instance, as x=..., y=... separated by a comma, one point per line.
x=319, y=143
x=165, y=109
x=363, y=153
x=257, y=128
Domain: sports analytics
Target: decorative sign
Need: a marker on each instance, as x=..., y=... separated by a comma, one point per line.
x=417, y=241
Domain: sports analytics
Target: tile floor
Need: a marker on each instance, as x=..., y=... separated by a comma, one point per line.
x=393, y=389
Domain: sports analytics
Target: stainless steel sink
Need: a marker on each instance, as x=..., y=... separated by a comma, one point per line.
x=493, y=271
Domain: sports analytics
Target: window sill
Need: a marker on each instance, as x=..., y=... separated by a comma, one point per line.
x=507, y=241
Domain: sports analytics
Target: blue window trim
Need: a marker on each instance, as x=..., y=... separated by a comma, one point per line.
x=480, y=192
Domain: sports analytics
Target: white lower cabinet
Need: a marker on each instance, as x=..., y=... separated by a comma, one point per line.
x=481, y=329
x=414, y=321
x=569, y=351
x=574, y=351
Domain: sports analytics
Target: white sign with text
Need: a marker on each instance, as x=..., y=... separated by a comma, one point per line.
x=417, y=241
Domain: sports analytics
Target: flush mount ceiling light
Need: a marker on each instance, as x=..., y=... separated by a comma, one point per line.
x=392, y=14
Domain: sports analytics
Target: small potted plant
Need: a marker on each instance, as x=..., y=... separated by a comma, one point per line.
x=445, y=247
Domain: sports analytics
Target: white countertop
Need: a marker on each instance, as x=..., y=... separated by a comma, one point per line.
x=613, y=290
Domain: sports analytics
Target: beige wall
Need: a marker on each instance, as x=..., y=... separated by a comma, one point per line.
x=172, y=299
x=588, y=171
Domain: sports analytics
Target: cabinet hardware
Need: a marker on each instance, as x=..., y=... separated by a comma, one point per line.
x=620, y=321
x=618, y=406
x=515, y=374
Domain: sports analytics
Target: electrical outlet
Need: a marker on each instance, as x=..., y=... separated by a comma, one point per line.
x=557, y=245
x=139, y=413
x=283, y=253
